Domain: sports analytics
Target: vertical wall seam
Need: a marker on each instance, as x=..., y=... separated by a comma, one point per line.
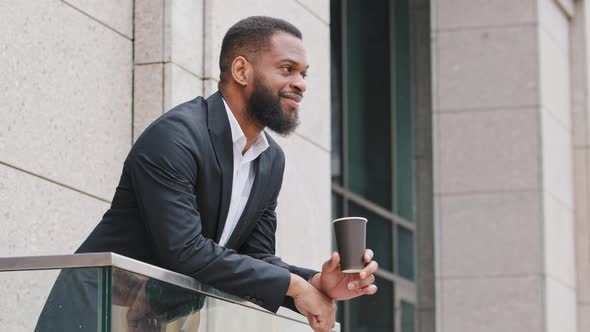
x=132, y=70
x=163, y=55
x=203, y=44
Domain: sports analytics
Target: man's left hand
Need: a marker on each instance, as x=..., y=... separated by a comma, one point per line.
x=344, y=286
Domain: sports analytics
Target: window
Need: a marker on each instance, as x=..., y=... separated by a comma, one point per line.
x=372, y=152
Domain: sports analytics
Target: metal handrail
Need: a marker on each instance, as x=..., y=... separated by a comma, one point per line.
x=106, y=259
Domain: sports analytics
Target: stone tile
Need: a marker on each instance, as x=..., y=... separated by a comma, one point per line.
x=66, y=114
x=559, y=241
x=560, y=307
x=180, y=86
x=23, y=295
x=453, y=14
x=209, y=87
x=117, y=14
x=583, y=317
x=579, y=78
x=481, y=233
x=321, y=8
x=184, y=34
x=555, y=79
x=148, y=96
x=582, y=229
x=149, y=31
x=491, y=150
x=315, y=108
x=43, y=218
x=557, y=161
x=487, y=68
x=310, y=217
x=554, y=21
x=492, y=304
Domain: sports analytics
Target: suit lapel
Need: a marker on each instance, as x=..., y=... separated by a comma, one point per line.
x=220, y=133
x=247, y=220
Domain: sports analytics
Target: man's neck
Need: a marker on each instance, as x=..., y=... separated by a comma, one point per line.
x=237, y=106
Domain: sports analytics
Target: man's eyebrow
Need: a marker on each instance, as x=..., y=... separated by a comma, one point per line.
x=293, y=61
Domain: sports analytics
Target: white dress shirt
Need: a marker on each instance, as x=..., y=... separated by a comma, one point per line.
x=243, y=173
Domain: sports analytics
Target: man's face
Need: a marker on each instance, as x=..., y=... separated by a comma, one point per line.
x=278, y=84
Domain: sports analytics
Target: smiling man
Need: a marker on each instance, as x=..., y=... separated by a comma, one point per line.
x=199, y=188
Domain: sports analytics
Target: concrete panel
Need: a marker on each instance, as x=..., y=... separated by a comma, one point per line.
x=481, y=233
x=582, y=229
x=557, y=159
x=583, y=317
x=42, y=218
x=209, y=87
x=320, y=8
x=184, y=34
x=491, y=150
x=579, y=76
x=220, y=15
x=487, y=68
x=23, y=297
x=559, y=241
x=560, y=307
x=492, y=304
x=149, y=31
x=304, y=207
x=180, y=86
x=148, y=97
x=425, y=321
x=66, y=104
x=554, y=21
x=453, y=14
x=555, y=79
x=117, y=14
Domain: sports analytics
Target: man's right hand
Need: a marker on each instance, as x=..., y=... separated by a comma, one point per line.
x=319, y=309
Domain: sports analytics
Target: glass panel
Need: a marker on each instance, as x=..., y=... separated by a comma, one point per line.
x=373, y=313
x=405, y=249
x=368, y=92
x=336, y=77
x=403, y=112
x=408, y=317
x=50, y=300
x=379, y=237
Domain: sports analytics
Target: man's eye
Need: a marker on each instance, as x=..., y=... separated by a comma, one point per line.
x=288, y=69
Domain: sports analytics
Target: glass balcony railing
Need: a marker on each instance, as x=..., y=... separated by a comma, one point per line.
x=107, y=292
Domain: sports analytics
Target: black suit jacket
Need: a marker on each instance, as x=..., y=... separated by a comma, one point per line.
x=170, y=207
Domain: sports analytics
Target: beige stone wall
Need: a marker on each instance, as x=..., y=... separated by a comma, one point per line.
x=504, y=166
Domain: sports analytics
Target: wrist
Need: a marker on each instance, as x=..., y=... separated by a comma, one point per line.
x=296, y=286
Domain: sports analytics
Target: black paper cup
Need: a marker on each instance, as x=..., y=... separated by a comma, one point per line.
x=351, y=241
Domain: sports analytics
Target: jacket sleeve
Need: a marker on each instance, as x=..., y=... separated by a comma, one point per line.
x=163, y=173
x=261, y=245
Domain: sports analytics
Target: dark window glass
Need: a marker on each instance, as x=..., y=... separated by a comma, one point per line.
x=369, y=109
x=408, y=317
x=336, y=78
x=405, y=250
x=373, y=313
x=403, y=112
x=379, y=235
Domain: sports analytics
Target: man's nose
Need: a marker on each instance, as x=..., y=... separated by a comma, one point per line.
x=299, y=84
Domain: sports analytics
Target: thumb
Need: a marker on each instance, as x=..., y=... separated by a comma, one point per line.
x=332, y=263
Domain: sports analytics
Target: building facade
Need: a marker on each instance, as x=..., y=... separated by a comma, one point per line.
x=459, y=128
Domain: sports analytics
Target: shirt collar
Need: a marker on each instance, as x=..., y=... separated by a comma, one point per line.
x=239, y=139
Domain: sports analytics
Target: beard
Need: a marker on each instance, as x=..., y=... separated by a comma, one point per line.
x=265, y=109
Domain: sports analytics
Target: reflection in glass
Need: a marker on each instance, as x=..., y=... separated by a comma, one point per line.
x=336, y=77
x=405, y=250
x=408, y=317
x=379, y=235
x=373, y=313
x=369, y=109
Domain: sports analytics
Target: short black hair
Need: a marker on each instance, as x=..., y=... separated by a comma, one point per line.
x=249, y=37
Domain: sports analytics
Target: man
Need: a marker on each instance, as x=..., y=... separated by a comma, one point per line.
x=199, y=188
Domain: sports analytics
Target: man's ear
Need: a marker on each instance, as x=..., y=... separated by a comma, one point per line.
x=241, y=70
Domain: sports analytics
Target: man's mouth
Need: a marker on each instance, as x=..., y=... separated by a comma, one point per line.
x=293, y=99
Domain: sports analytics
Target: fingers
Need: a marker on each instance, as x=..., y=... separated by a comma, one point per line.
x=369, y=269
x=368, y=255
x=332, y=263
x=368, y=290
x=361, y=282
